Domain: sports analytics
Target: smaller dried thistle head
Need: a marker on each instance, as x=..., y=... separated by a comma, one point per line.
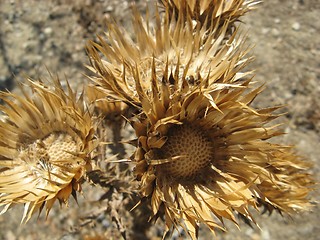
x=46, y=142
x=161, y=50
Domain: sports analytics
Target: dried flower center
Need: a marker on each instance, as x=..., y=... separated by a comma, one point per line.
x=59, y=146
x=192, y=147
x=56, y=147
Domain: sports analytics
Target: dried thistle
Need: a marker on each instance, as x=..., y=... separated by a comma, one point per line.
x=203, y=156
x=203, y=153
x=161, y=50
x=46, y=142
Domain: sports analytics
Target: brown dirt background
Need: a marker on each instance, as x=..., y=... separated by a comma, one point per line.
x=40, y=35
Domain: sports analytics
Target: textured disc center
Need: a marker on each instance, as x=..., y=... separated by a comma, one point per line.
x=60, y=146
x=56, y=147
x=191, y=146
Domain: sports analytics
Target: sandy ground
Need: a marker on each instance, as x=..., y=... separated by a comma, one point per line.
x=40, y=35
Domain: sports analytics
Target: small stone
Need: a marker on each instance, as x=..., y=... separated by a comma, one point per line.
x=275, y=32
x=109, y=8
x=296, y=26
x=265, y=235
x=48, y=30
x=265, y=30
x=255, y=236
x=10, y=235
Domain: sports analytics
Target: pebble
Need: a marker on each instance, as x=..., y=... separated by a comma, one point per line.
x=265, y=30
x=296, y=26
x=109, y=8
x=277, y=20
x=10, y=235
x=275, y=32
x=255, y=236
x=48, y=30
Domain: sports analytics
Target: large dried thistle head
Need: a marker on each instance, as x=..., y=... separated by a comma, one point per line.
x=204, y=156
x=203, y=153
x=46, y=141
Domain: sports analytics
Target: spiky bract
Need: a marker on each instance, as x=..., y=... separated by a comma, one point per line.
x=45, y=146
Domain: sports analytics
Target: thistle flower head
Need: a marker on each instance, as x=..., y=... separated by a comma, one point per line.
x=173, y=48
x=45, y=146
x=200, y=162
x=203, y=153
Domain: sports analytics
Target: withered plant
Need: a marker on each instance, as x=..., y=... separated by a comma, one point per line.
x=201, y=152
x=47, y=138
